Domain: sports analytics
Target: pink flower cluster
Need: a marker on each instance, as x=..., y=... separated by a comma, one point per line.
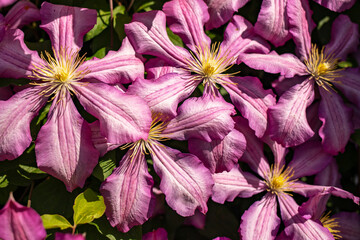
x=312, y=113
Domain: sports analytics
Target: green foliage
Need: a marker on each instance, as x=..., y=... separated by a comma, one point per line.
x=55, y=221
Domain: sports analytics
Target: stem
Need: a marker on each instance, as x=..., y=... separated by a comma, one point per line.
x=111, y=23
x=30, y=194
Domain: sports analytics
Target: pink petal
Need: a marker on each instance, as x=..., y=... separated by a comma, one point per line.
x=63, y=146
x=286, y=64
x=198, y=220
x=349, y=225
x=300, y=25
x=15, y=116
x=309, y=159
x=22, y=13
x=222, y=11
x=251, y=100
x=16, y=59
x=278, y=151
x=260, y=221
x=123, y=118
x=330, y=176
x=239, y=37
x=100, y=142
x=121, y=66
x=147, y=33
x=253, y=154
x=69, y=236
x=310, y=190
x=4, y=3
x=219, y=155
x=336, y=5
x=344, y=37
x=337, y=123
x=66, y=25
x=349, y=85
x=235, y=183
x=157, y=67
x=186, y=18
x=20, y=223
x=272, y=23
x=185, y=181
x=315, y=207
x=164, y=93
x=203, y=118
x=287, y=119
x=296, y=226
x=5, y=93
x=127, y=193
x=158, y=234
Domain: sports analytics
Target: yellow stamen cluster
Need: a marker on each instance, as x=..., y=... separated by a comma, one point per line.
x=157, y=127
x=331, y=224
x=279, y=180
x=322, y=67
x=58, y=73
x=209, y=65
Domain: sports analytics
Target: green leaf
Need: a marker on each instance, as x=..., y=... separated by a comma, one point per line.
x=146, y=6
x=175, y=39
x=43, y=114
x=105, y=167
x=120, y=19
x=3, y=181
x=322, y=22
x=88, y=206
x=345, y=64
x=102, y=23
x=55, y=221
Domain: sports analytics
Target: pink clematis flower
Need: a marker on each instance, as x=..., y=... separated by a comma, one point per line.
x=4, y=3
x=185, y=181
x=260, y=221
x=20, y=223
x=205, y=63
x=64, y=146
x=313, y=70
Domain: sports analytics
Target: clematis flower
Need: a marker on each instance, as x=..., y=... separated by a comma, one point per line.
x=185, y=181
x=158, y=234
x=260, y=221
x=64, y=146
x=69, y=236
x=20, y=223
x=313, y=70
x=205, y=63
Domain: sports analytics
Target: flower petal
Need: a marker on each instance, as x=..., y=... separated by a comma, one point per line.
x=123, y=118
x=127, y=193
x=337, y=122
x=272, y=22
x=158, y=234
x=63, y=146
x=16, y=59
x=296, y=226
x=22, y=13
x=260, y=221
x=250, y=98
x=121, y=66
x=309, y=159
x=286, y=64
x=330, y=176
x=335, y=5
x=349, y=225
x=300, y=26
x=239, y=37
x=222, y=11
x=66, y=25
x=348, y=84
x=20, y=223
x=315, y=207
x=185, y=181
x=254, y=153
x=157, y=67
x=219, y=155
x=100, y=142
x=69, y=236
x=186, y=18
x=204, y=118
x=235, y=183
x=344, y=37
x=15, y=116
x=287, y=119
x=147, y=33
x=164, y=93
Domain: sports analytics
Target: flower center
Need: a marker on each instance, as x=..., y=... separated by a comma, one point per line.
x=209, y=65
x=331, y=224
x=58, y=73
x=322, y=67
x=279, y=180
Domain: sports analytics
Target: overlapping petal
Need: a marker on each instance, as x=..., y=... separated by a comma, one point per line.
x=335, y=5
x=15, y=116
x=22, y=13
x=127, y=193
x=349, y=225
x=260, y=221
x=185, y=181
x=348, y=84
x=123, y=118
x=63, y=146
x=203, y=118
x=66, y=25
